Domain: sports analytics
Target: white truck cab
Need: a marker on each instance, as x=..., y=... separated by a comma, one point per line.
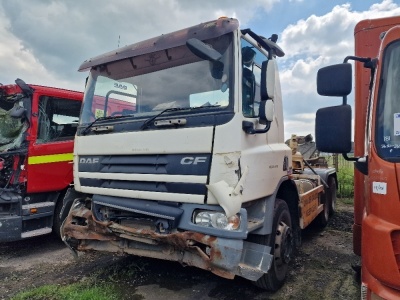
x=180, y=155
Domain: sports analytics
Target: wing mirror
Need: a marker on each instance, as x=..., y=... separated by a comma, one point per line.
x=267, y=111
x=17, y=112
x=206, y=52
x=203, y=50
x=267, y=93
x=268, y=77
x=335, y=80
x=266, y=116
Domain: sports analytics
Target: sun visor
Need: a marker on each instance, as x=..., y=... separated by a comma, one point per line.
x=202, y=31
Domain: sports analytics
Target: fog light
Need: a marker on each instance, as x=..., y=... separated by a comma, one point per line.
x=216, y=219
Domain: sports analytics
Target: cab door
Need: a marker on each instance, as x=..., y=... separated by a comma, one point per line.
x=54, y=123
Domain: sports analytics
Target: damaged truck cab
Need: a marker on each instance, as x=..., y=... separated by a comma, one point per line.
x=180, y=155
x=37, y=128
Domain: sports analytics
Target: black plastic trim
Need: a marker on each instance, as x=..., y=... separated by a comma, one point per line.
x=161, y=187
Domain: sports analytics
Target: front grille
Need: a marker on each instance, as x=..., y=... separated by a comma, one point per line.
x=162, y=174
x=171, y=164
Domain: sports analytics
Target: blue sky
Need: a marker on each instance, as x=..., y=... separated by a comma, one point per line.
x=44, y=41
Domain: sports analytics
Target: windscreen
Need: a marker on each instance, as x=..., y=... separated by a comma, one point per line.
x=11, y=129
x=388, y=113
x=143, y=86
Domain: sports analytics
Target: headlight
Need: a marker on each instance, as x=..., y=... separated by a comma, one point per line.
x=216, y=219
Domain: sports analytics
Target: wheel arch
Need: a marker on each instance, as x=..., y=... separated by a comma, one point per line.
x=287, y=191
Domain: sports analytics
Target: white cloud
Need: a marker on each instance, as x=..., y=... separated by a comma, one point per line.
x=313, y=43
x=45, y=41
x=300, y=126
x=17, y=61
x=52, y=38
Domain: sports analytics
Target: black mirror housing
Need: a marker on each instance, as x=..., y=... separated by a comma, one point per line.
x=263, y=83
x=335, y=80
x=202, y=50
x=262, y=114
x=17, y=112
x=333, y=129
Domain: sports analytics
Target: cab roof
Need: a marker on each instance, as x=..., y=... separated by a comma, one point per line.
x=202, y=31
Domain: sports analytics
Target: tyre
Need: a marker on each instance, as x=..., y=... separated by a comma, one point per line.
x=331, y=194
x=59, y=215
x=281, y=241
x=329, y=200
x=56, y=217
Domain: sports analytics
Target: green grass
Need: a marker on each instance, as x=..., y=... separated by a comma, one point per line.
x=346, y=201
x=345, y=175
x=87, y=290
x=346, y=182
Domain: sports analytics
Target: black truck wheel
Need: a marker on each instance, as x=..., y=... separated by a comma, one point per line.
x=62, y=208
x=329, y=200
x=281, y=241
x=56, y=218
x=331, y=193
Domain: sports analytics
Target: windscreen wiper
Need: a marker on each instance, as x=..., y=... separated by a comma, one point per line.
x=90, y=125
x=151, y=119
x=146, y=123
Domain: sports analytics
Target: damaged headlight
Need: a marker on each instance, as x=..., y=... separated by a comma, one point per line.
x=216, y=219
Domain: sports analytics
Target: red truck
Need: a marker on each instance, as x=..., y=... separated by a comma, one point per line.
x=376, y=229
x=37, y=129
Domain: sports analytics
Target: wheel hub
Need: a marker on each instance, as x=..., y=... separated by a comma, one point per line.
x=283, y=244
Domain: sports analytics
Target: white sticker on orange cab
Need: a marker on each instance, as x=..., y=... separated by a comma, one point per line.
x=396, y=124
x=379, y=187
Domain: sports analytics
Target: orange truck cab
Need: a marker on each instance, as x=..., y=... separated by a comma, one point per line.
x=37, y=129
x=376, y=229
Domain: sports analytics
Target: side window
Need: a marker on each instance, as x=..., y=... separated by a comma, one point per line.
x=252, y=60
x=58, y=119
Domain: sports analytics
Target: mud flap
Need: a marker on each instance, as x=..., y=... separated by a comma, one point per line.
x=255, y=262
x=10, y=228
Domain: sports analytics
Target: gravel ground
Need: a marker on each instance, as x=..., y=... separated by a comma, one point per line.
x=321, y=269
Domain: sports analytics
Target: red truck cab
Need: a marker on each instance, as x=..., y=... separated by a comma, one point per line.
x=37, y=129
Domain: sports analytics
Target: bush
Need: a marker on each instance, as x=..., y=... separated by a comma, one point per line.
x=345, y=175
x=345, y=182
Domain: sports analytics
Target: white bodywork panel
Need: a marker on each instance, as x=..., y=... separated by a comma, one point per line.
x=189, y=140
x=261, y=157
x=244, y=166
x=193, y=140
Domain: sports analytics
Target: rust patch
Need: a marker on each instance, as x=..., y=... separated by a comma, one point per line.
x=190, y=248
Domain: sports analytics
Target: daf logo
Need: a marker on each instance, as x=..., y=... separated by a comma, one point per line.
x=120, y=86
x=193, y=160
x=89, y=160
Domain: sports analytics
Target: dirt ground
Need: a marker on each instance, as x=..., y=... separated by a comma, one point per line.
x=321, y=270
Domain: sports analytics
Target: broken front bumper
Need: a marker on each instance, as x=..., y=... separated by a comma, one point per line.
x=223, y=256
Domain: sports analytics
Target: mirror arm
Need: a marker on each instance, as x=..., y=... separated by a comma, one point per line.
x=349, y=158
x=361, y=163
x=365, y=60
x=248, y=127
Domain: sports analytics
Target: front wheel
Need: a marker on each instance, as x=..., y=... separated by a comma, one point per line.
x=281, y=241
x=57, y=221
x=62, y=208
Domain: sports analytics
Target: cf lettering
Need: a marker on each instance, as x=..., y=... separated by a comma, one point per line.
x=193, y=160
x=199, y=160
x=187, y=161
